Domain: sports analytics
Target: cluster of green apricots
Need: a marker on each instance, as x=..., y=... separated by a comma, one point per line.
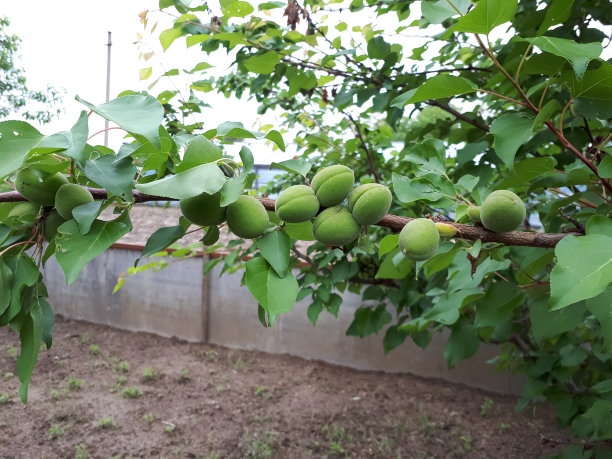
x=346, y=210
x=41, y=188
x=338, y=224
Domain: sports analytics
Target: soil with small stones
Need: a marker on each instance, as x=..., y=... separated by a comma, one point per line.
x=112, y=393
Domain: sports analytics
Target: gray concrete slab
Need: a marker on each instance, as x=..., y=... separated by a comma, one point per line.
x=233, y=322
x=168, y=302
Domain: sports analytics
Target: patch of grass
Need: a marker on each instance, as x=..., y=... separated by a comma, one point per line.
x=149, y=418
x=238, y=364
x=81, y=452
x=503, y=426
x=5, y=398
x=122, y=367
x=94, y=350
x=383, y=446
x=213, y=455
x=261, y=391
x=85, y=338
x=425, y=425
x=185, y=376
x=486, y=406
x=211, y=355
x=9, y=375
x=56, y=432
x=336, y=436
x=258, y=445
x=467, y=442
x=120, y=381
x=169, y=427
x=148, y=374
x=132, y=392
x=74, y=383
x=107, y=423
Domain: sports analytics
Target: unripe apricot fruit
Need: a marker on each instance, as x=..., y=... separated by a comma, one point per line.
x=336, y=226
x=502, y=211
x=25, y=211
x=445, y=229
x=39, y=186
x=297, y=204
x=333, y=184
x=473, y=214
x=204, y=209
x=419, y=239
x=369, y=203
x=247, y=217
x=51, y=224
x=69, y=196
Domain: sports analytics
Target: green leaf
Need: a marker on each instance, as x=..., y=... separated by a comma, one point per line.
x=247, y=159
x=206, y=178
x=275, y=294
x=166, y=38
x=368, y=321
x=593, y=92
x=17, y=138
x=596, y=422
x=577, y=54
x=313, y=312
x=134, y=113
x=78, y=134
x=300, y=231
x=47, y=322
x=276, y=138
x=161, y=239
x=583, y=270
x=378, y=48
x=408, y=190
x=599, y=306
x=235, y=8
x=25, y=274
x=199, y=151
x=30, y=336
x=462, y=343
x=487, y=15
x=275, y=247
x=86, y=214
x=605, y=167
x=263, y=63
x=525, y=171
x=294, y=166
x=74, y=251
x=271, y=5
x=388, y=270
x=598, y=224
x=387, y=244
x=117, y=176
x=436, y=12
x=232, y=189
x=394, y=337
x=6, y=278
x=441, y=86
x=557, y=13
x=510, y=131
x=211, y=236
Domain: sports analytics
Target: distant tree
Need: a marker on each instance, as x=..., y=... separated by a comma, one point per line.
x=15, y=96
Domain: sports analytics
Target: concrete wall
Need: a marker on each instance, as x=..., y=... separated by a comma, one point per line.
x=178, y=302
x=168, y=302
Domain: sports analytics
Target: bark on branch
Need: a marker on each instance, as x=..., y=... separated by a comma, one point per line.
x=394, y=222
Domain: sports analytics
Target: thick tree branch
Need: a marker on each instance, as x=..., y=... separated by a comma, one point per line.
x=394, y=222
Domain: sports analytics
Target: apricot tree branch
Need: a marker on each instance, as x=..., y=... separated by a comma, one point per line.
x=394, y=222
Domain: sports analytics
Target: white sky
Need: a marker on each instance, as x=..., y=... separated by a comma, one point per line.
x=63, y=44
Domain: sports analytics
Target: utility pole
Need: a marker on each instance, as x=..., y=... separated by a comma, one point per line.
x=108, y=63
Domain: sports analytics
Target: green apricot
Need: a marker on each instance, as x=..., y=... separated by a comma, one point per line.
x=51, y=224
x=336, y=226
x=247, y=217
x=473, y=214
x=333, y=184
x=445, y=229
x=419, y=239
x=204, y=209
x=69, y=196
x=502, y=211
x=369, y=203
x=39, y=186
x=297, y=204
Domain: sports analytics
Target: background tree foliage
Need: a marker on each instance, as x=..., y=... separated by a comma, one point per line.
x=443, y=124
x=15, y=96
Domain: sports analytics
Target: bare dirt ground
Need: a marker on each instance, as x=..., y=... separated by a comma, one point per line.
x=103, y=392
